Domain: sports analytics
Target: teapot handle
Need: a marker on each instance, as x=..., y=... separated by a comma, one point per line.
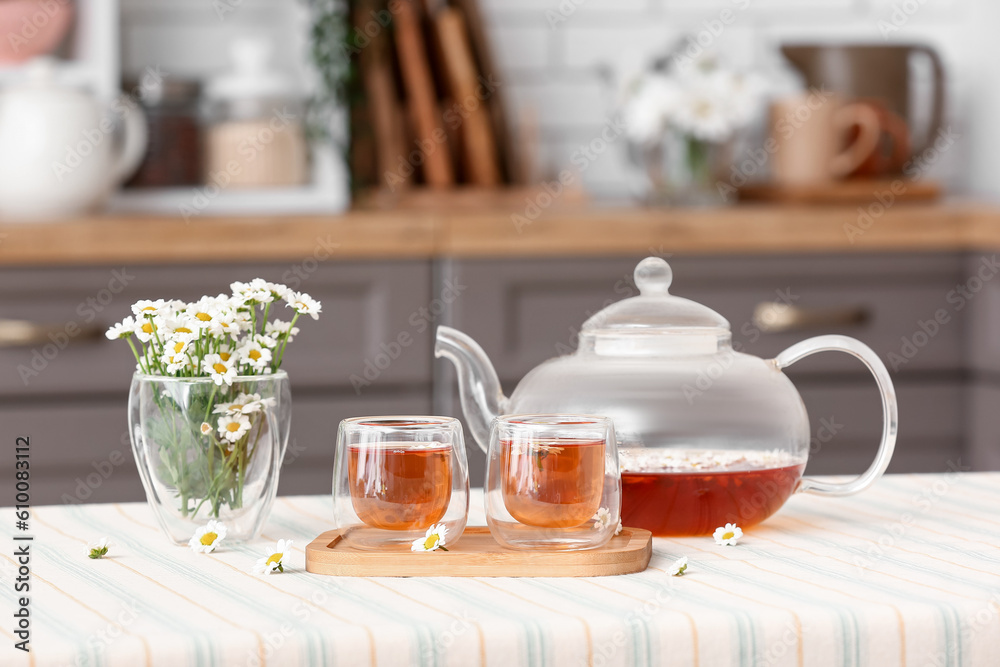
x=890, y=417
x=135, y=137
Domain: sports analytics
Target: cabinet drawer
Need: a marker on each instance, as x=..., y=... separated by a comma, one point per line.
x=365, y=304
x=80, y=452
x=523, y=312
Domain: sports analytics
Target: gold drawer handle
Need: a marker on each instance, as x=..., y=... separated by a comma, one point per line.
x=782, y=318
x=22, y=333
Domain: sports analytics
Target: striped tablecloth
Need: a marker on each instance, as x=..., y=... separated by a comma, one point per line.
x=907, y=573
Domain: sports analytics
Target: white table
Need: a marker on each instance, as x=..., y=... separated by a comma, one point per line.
x=907, y=573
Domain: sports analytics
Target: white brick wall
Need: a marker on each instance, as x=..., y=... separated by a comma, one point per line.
x=551, y=53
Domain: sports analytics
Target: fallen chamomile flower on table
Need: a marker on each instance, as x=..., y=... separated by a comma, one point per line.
x=208, y=537
x=272, y=562
x=679, y=567
x=728, y=535
x=434, y=539
x=98, y=549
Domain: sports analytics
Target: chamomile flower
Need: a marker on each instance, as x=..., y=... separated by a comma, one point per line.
x=618, y=529
x=206, y=428
x=233, y=427
x=436, y=538
x=98, y=548
x=208, y=537
x=175, y=362
x=245, y=404
x=123, y=329
x=304, y=304
x=602, y=519
x=278, y=329
x=254, y=354
x=221, y=371
x=679, y=567
x=146, y=307
x=727, y=535
x=180, y=325
x=272, y=562
x=146, y=327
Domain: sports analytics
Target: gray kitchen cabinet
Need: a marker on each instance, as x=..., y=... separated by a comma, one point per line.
x=525, y=311
x=365, y=304
x=72, y=403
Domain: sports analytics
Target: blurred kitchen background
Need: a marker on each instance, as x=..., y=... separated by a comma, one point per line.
x=807, y=166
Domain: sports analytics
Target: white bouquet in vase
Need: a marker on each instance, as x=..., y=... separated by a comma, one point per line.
x=680, y=117
x=208, y=406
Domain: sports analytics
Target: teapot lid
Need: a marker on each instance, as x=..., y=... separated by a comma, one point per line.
x=655, y=310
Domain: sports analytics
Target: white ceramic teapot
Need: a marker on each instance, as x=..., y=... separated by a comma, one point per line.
x=62, y=152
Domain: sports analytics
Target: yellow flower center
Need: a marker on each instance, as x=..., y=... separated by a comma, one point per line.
x=204, y=317
x=728, y=535
x=178, y=347
x=432, y=541
x=275, y=558
x=299, y=304
x=233, y=427
x=149, y=308
x=148, y=327
x=224, y=356
x=236, y=406
x=182, y=330
x=208, y=538
x=254, y=354
x=219, y=368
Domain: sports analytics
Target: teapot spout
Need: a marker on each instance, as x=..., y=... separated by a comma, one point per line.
x=478, y=385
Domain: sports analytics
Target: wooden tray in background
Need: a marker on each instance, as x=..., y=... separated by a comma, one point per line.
x=843, y=192
x=477, y=554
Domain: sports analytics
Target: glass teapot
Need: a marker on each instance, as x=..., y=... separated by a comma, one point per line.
x=707, y=435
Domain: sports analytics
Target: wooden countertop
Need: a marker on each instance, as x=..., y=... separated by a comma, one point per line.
x=497, y=232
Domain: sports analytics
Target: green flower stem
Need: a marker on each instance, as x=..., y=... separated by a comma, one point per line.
x=284, y=342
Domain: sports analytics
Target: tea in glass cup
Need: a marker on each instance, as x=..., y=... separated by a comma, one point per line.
x=397, y=477
x=552, y=481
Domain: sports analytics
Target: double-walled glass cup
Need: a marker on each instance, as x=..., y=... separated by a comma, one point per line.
x=552, y=481
x=397, y=477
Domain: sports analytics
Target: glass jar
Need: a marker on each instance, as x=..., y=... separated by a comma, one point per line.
x=255, y=136
x=174, y=152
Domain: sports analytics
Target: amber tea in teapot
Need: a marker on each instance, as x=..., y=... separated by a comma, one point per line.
x=678, y=492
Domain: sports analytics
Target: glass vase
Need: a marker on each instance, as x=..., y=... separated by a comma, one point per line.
x=210, y=452
x=681, y=170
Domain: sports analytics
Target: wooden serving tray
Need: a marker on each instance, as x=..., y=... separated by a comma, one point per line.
x=477, y=554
